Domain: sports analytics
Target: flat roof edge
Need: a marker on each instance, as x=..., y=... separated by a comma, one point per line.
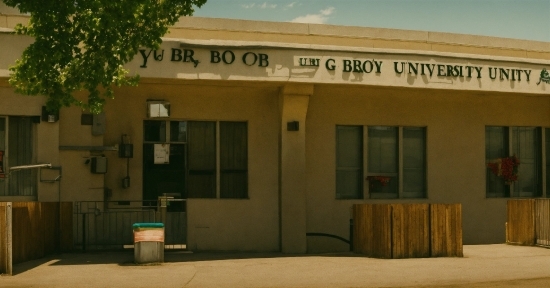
x=204, y=23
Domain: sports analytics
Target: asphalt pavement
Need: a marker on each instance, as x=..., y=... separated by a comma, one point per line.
x=482, y=266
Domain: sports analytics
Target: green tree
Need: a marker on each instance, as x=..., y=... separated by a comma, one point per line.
x=83, y=45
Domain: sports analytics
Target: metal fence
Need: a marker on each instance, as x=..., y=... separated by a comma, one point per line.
x=108, y=224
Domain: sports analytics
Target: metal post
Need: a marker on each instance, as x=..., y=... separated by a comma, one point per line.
x=351, y=235
x=9, y=268
x=84, y=231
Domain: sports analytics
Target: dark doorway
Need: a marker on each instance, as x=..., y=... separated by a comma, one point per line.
x=165, y=179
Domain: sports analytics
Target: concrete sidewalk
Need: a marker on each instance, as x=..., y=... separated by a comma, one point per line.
x=482, y=266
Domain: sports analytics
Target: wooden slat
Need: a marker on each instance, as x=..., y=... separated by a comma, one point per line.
x=446, y=230
x=521, y=222
x=66, y=226
x=410, y=231
x=3, y=243
x=542, y=222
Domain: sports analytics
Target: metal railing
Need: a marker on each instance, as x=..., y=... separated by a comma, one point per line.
x=108, y=224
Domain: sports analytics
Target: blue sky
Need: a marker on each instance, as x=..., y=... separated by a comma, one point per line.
x=520, y=19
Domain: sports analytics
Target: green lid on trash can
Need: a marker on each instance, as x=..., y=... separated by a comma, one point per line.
x=148, y=225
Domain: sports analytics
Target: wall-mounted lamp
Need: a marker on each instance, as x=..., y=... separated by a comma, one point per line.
x=293, y=126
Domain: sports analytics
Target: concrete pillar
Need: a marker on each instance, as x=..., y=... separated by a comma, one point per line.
x=293, y=104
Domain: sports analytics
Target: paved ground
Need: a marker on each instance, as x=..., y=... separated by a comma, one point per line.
x=482, y=266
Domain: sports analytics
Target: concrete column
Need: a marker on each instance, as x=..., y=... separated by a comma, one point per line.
x=293, y=104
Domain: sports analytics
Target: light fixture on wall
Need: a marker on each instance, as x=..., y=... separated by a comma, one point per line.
x=293, y=126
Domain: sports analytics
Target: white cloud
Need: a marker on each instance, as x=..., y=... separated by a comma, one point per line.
x=327, y=11
x=319, y=18
x=265, y=5
x=291, y=5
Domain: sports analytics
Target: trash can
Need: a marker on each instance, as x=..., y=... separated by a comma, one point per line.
x=148, y=243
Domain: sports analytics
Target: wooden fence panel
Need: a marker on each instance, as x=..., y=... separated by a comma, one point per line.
x=40, y=229
x=542, y=222
x=3, y=240
x=520, y=225
x=49, y=213
x=66, y=242
x=372, y=230
x=410, y=231
x=446, y=230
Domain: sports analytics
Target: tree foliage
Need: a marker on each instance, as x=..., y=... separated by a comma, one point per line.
x=83, y=45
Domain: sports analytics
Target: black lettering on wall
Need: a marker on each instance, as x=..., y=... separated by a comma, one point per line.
x=413, y=68
x=491, y=73
x=264, y=62
x=367, y=68
x=142, y=52
x=347, y=65
x=176, y=55
x=395, y=64
x=330, y=65
x=478, y=70
x=250, y=58
x=378, y=66
x=158, y=57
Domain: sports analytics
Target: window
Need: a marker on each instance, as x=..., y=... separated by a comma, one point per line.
x=233, y=160
x=525, y=143
x=16, y=147
x=395, y=163
x=216, y=157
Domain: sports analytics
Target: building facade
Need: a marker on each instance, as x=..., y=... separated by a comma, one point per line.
x=274, y=130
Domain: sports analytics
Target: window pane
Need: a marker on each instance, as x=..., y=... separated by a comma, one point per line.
x=414, y=155
x=233, y=160
x=348, y=146
x=349, y=184
x=496, y=146
x=526, y=148
x=383, y=150
x=201, y=159
x=383, y=161
x=178, y=131
x=349, y=162
x=22, y=182
x=154, y=131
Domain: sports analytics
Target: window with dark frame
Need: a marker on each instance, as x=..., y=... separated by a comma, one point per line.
x=395, y=162
x=523, y=143
x=16, y=139
x=204, y=151
x=233, y=160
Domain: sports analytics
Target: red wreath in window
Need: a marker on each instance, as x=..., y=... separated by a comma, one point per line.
x=383, y=180
x=505, y=168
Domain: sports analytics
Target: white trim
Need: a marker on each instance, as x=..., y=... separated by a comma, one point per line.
x=334, y=48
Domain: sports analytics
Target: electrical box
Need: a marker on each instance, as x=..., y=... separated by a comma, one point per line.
x=99, y=165
x=126, y=151
x=98, y=124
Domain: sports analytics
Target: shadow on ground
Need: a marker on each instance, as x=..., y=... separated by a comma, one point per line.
x=126, y=258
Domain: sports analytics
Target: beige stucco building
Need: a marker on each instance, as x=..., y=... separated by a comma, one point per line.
x=276, y=129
